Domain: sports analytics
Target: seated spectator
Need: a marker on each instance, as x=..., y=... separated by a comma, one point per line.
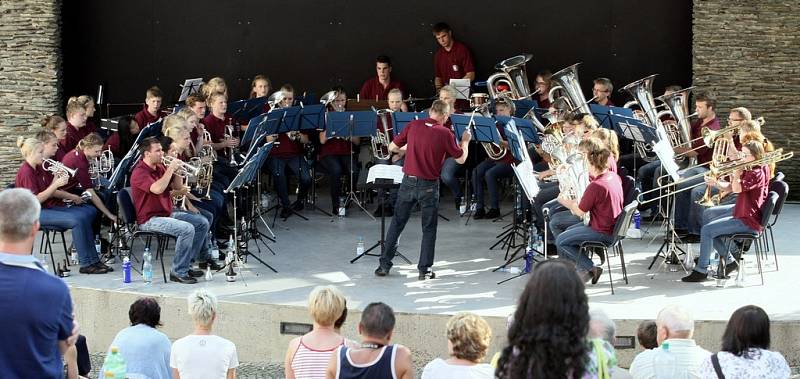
x=35, y=306
x=145, y=349
x=744, y=351
x=601, y=327
x=308, y=356
x=548, y=337
x=674, y=327
x=646, y=334
x=202, y=354
x=468, y=338
x=376, y=357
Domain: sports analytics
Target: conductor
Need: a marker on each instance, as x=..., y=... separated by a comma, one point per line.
x=427, y=144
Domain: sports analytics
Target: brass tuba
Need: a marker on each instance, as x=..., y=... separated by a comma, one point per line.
x=513, y=73
x=382, y=139
x=567, y=81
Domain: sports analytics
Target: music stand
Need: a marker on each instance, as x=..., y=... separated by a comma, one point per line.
x=243, y=178
x=312, y=119
x=117, y=180
x=483, y=130
x=525, y=127
x=401, y=119
x=352, y=124
x=246, y=109
x=462, y=88
x=189, y=87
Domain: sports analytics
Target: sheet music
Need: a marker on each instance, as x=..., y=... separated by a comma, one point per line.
x=666, y=154
x=462, y=88
x=189, y=87
x=385, y=171
x=524, y=169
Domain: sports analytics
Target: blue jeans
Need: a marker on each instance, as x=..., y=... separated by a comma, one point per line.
x=338, y=166
x=450, y=169
x=490, y=171
x=561, y=221
x=547, y=192
x=191, y=232
x=79, y=219
x=299, y=167
x=683, y=198
x=711, y=237
x=414, y=190
x=569, y=243
x=646, y=176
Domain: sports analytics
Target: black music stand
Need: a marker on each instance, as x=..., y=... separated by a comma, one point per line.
x=284, y=120
x=352, y=124
x=381, y=184
x=483, y=129
x=312, y=119
x=246, y=109
x=246, y=175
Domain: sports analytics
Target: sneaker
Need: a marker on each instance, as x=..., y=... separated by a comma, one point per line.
x=429, y=274
x=94, y=268
x=493, y=213
x=103, y=265
x=285, y=212
x=695, y=277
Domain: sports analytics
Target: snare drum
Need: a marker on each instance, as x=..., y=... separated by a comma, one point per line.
x=478, y=99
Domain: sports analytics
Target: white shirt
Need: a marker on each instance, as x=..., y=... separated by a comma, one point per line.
x=753, y=364
x=200, y=357
x=687, y=354
x=439, y=368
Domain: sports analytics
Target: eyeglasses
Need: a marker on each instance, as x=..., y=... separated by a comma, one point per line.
x=735, y=119
x=599, y=90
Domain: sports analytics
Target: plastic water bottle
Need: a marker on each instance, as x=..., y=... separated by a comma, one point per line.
x=73, y=255
x=664, y=363
x=513, y=270
x=637, y=219
x=713, y=263
x=360, y=246
x=98, y=246
x=126, y=270
x=342, y=209
x=473, y=204
x=526, y=268
x=462, y=207
x=147, y=267
x=209, y=277
x=115, y=364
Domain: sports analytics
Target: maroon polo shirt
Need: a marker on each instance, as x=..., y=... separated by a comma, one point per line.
x=74, y=135
x=90, y=127
x=373, y=89
x=77, y=159
x=543, y=103
x=36, y=180
x=508, y=158
x=61, y=152
x=215, y=127
x=429, y=144
x=334, y=146
x=703, y=152
x=148, y=204
x=286, y=148
x=453, y=64
x=603, y=200
x=144, y=117
x=755, y=186
x=113, y=144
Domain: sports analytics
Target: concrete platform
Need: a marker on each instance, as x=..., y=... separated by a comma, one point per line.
x=317, y=252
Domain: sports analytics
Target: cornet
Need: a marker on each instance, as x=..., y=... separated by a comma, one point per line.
x=57, y=168
x=185, y=168
x=231, y=150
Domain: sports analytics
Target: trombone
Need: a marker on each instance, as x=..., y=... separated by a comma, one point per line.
x=722, y=170
x=708, y=136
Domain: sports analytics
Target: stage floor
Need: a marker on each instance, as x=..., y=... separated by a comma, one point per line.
x=317, y=252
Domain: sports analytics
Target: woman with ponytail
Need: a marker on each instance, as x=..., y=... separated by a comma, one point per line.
x=58, y=126
x=88, y=149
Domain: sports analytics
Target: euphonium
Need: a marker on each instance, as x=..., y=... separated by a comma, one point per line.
x=381, y=139
x=678, y=107
x=57, y=167
x=573, y=178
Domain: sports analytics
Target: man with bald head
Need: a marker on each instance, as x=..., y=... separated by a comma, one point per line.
x=675, y=329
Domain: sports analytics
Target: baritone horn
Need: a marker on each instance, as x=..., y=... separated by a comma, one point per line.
x=381, y=140
x=567, y=81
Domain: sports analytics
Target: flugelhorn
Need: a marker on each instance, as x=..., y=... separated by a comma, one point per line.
x=57, y=167
x=184, y=170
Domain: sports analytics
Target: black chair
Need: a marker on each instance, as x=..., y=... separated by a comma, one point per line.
x=751, y=237
x=46, y=245
x=128, y=217
x=620, y=231
x=628, y=186
x=782, y=189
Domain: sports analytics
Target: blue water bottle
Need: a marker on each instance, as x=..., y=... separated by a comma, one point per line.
x=126, y=270
x=637, y=219
x=528, y=261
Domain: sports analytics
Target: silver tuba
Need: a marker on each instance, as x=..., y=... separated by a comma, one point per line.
x=513, y=73
x=382, y=139
x=678, y=106
x=642, y=93
x=567, y=81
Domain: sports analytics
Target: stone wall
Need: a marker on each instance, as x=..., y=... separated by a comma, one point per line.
x=30, y=73
x=747, y=51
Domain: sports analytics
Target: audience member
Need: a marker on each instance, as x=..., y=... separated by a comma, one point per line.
x=744, y=351
x=468, y=338
x=77, y=360
x=548, y=337
x=646, y=334
x=601, y=327
x=308, y=356
x=35, y=306
x=146, y=350
x=375, y=358
x=202, y=354
x=674, y=328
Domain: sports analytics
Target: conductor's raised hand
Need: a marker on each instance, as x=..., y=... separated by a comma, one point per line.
x=467, y=136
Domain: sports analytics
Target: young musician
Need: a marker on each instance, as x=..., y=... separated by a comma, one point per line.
x=452, y=60
x=451, y=168
x=76, y=123
x=428, y=144
x=260, y=86
x=151, y=182
x=602, y=90
x=752, y=185
x=195, y=129
x=152, y=108
x=58, y=126
x=377, y=88
x=197, y=103
x=214, y=85
x=543, y=85
x=217, y=125
x=491, y=170
x=335, y=154
x=78, y=218
x=602, y=199
x=288, y=153
x=80, y=158
x=396, y=104
x=121, y=141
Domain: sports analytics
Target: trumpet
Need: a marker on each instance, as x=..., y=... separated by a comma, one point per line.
x=58, y=168
x=381, y=140
x=185, y=169
x=206, y=150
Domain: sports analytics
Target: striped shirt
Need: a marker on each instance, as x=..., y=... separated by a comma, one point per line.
x=309, y=363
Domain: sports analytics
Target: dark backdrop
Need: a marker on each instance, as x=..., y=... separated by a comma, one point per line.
x=130, y=45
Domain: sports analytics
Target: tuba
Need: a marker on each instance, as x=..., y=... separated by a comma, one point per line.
x=513, y=73
x=567, y=81
x=573, y=178
x=678, y=106
x=382, y=139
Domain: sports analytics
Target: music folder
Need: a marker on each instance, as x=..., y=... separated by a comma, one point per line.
x=523, y=169
x=189, y=87
x=289, y=119
x=462, y=88
x=483, y=128
x=401, y=119
x=524, y=125
x=351, y=124
x=385, y=171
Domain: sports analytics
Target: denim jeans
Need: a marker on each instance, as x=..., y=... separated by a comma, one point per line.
x=683, y=198
x=414, y=190
x=79, y=219
x=569, y=243
x=646, y=176
x=191, y=232
x=547, y=192
x=711, y=237
x=561, y=221
x=696, y=214
x=450, y=169
x=338, y=166
x=489, y=171
x=299, y=167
